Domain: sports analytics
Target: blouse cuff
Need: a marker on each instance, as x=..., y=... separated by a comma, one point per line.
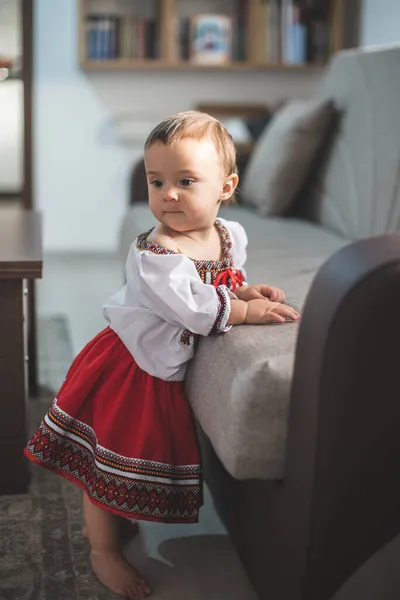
x=224, y=310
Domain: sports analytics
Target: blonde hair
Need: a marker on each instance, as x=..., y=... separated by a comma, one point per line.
x=196, y=125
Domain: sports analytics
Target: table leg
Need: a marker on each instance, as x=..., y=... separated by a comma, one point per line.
x=13, y=434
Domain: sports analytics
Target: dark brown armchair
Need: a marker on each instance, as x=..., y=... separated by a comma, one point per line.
x=339, y=501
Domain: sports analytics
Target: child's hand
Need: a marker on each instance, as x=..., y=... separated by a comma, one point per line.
x=264, y=311
x=254, y=292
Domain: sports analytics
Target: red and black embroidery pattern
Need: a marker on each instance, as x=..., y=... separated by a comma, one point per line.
x=187, y=338
x=209, y=270
x=143, y=244
x=127, y=486
x=223, y=310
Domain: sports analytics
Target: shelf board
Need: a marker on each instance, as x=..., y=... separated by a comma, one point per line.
x=11, y=78
x=158, y=64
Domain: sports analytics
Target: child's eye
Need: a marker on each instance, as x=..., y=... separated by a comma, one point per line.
x=186, y=182
x=157, y=184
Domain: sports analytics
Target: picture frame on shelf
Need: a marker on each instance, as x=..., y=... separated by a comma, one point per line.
x=210, y=39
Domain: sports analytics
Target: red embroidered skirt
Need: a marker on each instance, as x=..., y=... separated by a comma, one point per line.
x=125, y=437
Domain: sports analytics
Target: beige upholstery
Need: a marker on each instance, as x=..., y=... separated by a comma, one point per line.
x=285, y=154
x=232, y=404
x=358, y=191
x=239, y=384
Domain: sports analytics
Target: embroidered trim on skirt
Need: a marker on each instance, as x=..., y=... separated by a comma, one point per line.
x=125, y=437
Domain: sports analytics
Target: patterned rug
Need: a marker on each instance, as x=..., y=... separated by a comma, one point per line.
x=42, y=553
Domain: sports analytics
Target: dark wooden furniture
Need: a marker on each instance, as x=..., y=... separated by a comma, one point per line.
x=20, y=262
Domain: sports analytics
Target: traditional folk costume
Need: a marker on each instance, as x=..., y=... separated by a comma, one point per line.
x=120, y=426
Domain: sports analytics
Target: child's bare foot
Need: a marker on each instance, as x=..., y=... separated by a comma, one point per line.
x=103, y=532
x=127, y=530
x=117, y=575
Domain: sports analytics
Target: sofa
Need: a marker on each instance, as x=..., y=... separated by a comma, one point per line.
x=298, y=423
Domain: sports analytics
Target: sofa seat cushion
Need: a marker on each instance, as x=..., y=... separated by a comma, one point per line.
x=238, y=384
x=283, y=252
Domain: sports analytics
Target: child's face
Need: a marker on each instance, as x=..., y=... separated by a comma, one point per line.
x=186, y=183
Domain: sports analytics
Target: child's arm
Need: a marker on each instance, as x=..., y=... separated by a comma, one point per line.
x=259, y=311
x=238, y=312
x=169, y=286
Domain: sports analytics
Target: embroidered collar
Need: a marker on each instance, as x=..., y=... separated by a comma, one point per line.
x=226, y=244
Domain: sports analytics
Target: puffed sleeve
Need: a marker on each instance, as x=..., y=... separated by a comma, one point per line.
x=239, y=244
x=169, y=286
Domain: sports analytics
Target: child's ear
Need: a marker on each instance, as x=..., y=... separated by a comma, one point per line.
x=230, y=185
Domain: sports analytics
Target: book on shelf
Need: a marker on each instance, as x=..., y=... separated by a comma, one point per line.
x=295, y=32
x=102, y=37
x=121, y=37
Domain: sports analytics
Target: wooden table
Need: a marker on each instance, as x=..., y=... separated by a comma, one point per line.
x=20, y=262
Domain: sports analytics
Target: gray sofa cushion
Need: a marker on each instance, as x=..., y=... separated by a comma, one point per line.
x=238, y=384
x=284, y=252
x=284, y=155
x=357, y=192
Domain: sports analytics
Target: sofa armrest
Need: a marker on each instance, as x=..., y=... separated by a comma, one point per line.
x=238, y=385
x=343, y=448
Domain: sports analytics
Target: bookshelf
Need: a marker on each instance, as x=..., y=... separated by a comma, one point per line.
x=292, y=35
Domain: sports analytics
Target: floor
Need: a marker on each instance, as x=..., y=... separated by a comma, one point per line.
x=191, y=562
x=195, y=562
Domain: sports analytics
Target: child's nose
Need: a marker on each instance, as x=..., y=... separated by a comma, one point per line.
x=171, y=195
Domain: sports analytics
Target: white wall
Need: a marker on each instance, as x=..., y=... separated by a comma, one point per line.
x=82, y=168
x=77, y=288
x=380, y=22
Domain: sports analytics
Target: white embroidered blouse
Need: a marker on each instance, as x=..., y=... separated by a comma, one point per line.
x=170, y=299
